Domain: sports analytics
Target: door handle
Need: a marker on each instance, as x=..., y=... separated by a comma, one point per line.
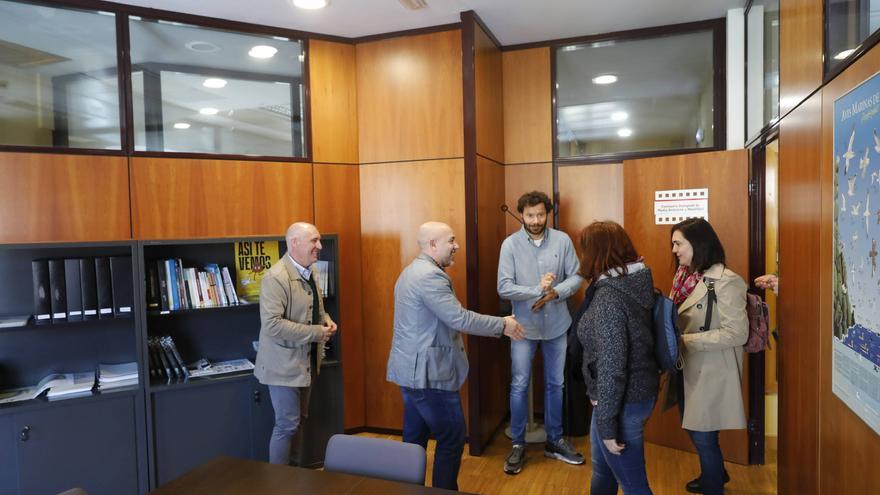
x=25, y=433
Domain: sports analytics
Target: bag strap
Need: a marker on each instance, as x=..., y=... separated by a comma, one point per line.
x=710, y=284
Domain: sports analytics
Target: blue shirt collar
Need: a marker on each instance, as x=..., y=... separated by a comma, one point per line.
x=532, y=241
x=306, y=273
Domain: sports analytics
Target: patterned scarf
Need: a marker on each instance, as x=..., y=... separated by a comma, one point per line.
x=683, y=284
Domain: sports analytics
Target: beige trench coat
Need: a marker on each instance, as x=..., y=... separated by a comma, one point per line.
x=287, y=330
x=713, y=359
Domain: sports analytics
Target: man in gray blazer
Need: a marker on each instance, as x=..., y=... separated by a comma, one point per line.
x=427, y=357
x=293, y=325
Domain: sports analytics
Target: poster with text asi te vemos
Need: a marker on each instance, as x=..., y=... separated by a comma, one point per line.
x=253, y=259
x=855, y=375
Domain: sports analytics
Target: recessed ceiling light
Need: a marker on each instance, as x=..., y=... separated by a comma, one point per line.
x=311, y=4
x=625, y=132
x=846, y=53
x=214, y=82
x=181, y=125
x=202, y=46
x=605, y=79
x=263, y=51
x=619, y=116
x=208, y=111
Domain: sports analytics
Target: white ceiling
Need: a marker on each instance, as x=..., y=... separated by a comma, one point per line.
x=512, y=21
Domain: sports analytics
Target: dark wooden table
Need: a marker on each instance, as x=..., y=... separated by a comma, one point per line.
x=231, y=476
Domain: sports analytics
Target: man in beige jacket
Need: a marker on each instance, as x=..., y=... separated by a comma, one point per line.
x=293, y=324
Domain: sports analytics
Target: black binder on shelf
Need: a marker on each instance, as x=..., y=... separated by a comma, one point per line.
x=88, y=288
x=123, y=299
x=104, y=284
x=164, y=303
x=58, y=289
x=72, y=283
x=152, y=287
x=42, y=296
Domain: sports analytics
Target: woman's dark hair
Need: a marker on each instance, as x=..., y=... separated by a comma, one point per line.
x=532, y=199
x=605, y=246
x=707, y=247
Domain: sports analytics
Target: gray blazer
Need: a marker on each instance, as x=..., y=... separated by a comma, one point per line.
x=427, y=350
x=286, y=330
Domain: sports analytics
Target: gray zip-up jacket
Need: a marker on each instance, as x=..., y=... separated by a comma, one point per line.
x=520, y=268
x=427, y=350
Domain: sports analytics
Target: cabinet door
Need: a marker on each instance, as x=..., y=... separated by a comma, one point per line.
x=262, y=421
x=195, y=424
x=325, y=416
x=91, y=445
x=8, y=457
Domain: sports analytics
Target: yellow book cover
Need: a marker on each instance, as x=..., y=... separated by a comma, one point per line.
x=252, y=261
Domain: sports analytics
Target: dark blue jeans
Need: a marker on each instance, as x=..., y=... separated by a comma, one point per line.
x=711, y=461
x=626, y=470
x=429, y=412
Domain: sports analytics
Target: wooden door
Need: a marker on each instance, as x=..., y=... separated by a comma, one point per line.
x=725, y=173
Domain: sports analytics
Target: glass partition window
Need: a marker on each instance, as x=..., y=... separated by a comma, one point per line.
x=762, y=65
x=635, y=95
x=847, y=24
x=202, y=90
x=58, y=77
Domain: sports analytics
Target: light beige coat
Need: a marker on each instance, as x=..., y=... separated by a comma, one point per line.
x=713, y=359
x=287, y=330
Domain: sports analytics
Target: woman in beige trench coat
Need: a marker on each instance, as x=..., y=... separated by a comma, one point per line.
x=712, y=354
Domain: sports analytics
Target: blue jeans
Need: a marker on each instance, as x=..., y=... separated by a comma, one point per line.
x=521, y=354
x=711, y=461
x=285, y=402
x=627, y=469
x=430, y=411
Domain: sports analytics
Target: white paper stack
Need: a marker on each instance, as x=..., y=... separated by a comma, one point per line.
x=72, y=383
x=112, y=376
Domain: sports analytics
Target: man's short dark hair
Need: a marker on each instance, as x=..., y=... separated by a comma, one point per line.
x=532, y=199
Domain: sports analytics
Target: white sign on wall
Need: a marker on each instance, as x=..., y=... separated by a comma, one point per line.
x=671, y=207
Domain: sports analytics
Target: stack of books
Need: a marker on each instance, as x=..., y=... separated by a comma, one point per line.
x=112, y=376
x=171, y=286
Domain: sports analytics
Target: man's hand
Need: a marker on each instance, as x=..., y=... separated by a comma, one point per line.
x=513, y=329
x=613, y=447
x=547, y=281
x=327, y=330
x=547, y=297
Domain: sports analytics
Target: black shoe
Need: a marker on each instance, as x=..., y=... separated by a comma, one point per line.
x=516, y=459
x=693, y=486
x=563, y=451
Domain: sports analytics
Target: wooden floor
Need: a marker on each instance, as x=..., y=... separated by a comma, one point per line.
x=668, y=471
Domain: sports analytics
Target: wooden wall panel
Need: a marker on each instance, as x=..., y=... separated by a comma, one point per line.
x=410, y=98
x=588, y=193
x=798, y=315
x=527, y=124
x=489, y=101
x=491, y=368
x=846, y=444
x=725, y=173
x=51, y=197
x=179, y=198
x=520, y=179
x=800, y=50
x=338, y=210
x=333, y=88
x=395, y=199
